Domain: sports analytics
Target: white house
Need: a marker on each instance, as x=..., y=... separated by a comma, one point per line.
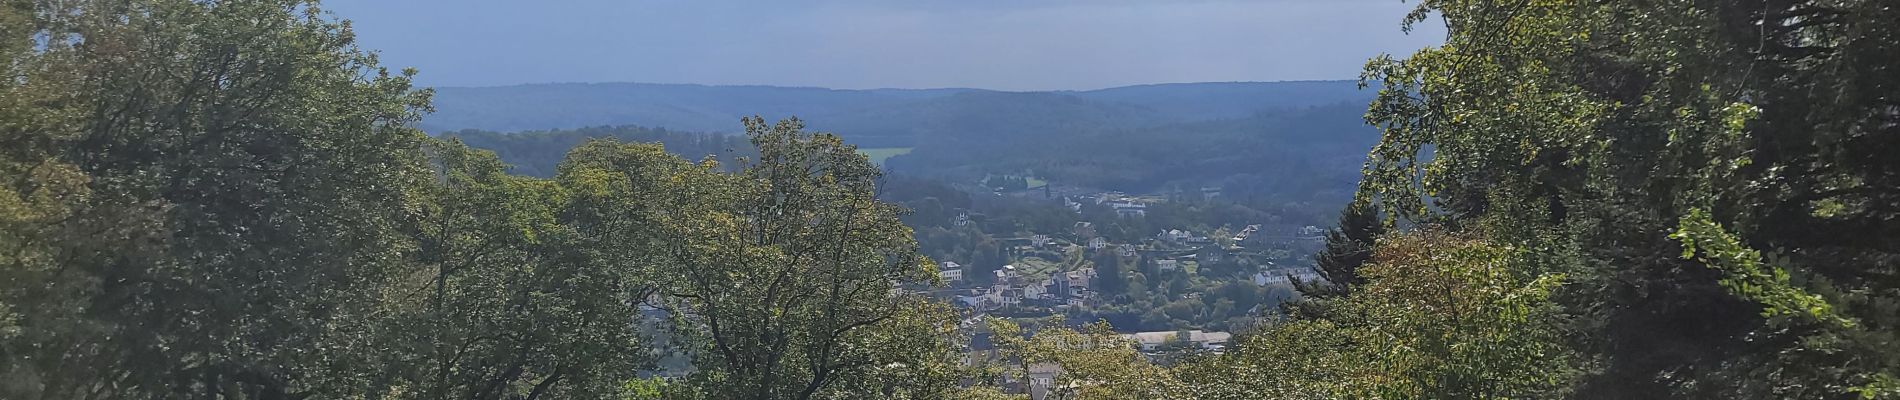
x=950, y=271
x=1149, y=341
x=1042, y=378
x=1040, y=240
x=1174, y=236
x=1079, y=298
x=1084, y=229
x=1035, y=291
x=1269, y=277
x=1097, y=243
x=1167, y=265
x=1130, y=209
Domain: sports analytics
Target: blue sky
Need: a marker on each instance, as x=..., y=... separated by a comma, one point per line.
x=993, y=44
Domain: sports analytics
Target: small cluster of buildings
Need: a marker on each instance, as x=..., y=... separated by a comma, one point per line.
x=1124, y=205
x=1012, y=288
x=1183, y=238
x=1151, y=342
x=1041, y=380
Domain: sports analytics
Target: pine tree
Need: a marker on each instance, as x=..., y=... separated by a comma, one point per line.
x=1348, y=247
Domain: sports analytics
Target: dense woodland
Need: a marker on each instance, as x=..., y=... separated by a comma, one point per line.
x=1568, y=199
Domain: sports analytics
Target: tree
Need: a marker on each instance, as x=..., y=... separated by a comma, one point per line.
x=1091, y=362
x=531, y=283
x=1711, y=174
x=791, y=270
x=1109, y=273
x=1440, y=316
x=249, y=175
x=1348, y=246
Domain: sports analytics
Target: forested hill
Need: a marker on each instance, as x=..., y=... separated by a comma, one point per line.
x=714, y=108
x=1311, y=154
x=536, y=153
x=1279, y=138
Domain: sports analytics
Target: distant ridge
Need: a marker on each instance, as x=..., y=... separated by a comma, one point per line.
x=717, y=108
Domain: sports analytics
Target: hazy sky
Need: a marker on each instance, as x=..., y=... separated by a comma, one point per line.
x=994, y=44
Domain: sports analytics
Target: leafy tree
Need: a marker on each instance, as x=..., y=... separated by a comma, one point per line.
x=1093, y=362
x=249, y=175
x=1711, y=174
x=530, y=283
x=1110, y=274
x=790, y=270
x=539, y=153
x=1440, y=316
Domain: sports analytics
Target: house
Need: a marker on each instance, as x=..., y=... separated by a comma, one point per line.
x=1310, y=230
x=1128, y=250
x=1084, y=229
x=1042, y=379
x=1246, y=232
x=1097, y=243
x=1150, y=341
x=950, y=271
x=1011, y=297
x=983, y=302
x=1079, y=279
x=1278, y=276
x=1037, y=290
x=1174, y=236
x=1040, y=240
x=1167, y=265
x=1130, y=209
x=963, y=218
x=1209, y=192
x=1072, y=205
x=1080, y=298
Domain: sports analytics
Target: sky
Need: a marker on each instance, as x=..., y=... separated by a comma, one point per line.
x=861, y=44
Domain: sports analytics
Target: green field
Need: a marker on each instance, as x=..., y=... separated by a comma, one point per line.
x=879, y=154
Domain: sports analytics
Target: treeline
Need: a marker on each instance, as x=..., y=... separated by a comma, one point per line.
x=224, y=200
x=1301, y=154
x=1609, y=199
x=538, y=153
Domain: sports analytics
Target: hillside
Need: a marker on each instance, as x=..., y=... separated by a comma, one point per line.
x=1219, y=100
x=875, y=111
x=672, y=106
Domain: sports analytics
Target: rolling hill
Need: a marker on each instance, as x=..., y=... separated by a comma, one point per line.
x=852, y=113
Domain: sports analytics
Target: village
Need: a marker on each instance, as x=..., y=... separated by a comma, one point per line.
x=1057, y=274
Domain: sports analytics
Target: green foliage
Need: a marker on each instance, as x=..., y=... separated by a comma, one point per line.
x=1654, y=152
x=789, y=272
x=1705, y=241
x=226, y=199
x=1348, y=247
x=538, y=153
x=1093, y=361
x=1440, y=316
